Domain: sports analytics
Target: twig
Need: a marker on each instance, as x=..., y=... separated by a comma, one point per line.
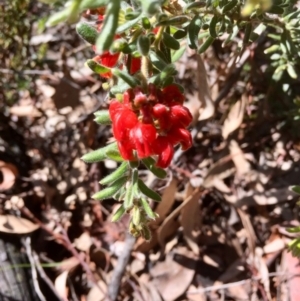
x=64, y=240
x=233, y=284
x=44, y=276
x=27, y=243
x=114, y=285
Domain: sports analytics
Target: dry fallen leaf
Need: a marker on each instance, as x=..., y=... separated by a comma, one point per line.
x=191, y=221
x=25, y=111
x=237, y=156
x=95, y=294
x=218, y=172
x=16, y=225
x=60, y=285
x=173, y=276
x=234, y=118
x=207, y=109
x=8, y=172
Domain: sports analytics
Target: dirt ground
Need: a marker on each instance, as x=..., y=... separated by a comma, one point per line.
x=226, y=203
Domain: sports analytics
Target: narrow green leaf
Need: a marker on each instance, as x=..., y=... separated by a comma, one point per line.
x=110, y=191
x=58, y=17
x=193, y=5
x=170, y=42
x=291, y=71
x=118, y=214
x=179, y=34
x=295, y=189
x=157, y=61
x=148, y=191
x=178, y=20
x=146, y=233
x=115, y=175
x=143, y=45
x=99, y=154
x=129, y=197
x=96, y=67
x=229, y=6
x=212, y=26
x=136, y=215
x=150, y=164
x=148, y=209
x=108, y=30
x=193, y=31
x=92, y=4
x=102, y=117
x=206, y=44
x=127, y=78
x=247, y=34
x=127, y=25
x=87, y=32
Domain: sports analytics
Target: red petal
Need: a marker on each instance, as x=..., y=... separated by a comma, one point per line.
x=123, y=122
x=126, y=149
x=165, y=151
x=135, y=65
x=108, y=59
x=162, y=114
x=180, y=115
x=182, y=136
x=172, y=95
x=143, y=135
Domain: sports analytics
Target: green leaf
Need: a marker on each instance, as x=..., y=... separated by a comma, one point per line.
x=148, y=209
x=127, y=25
x=143, y=44
x=136, y=216
x=110, y=191
x=157, y=61
x=58, y=17
x=127, y=78
x=96, y=67
x=229, y=6
x=179, y=34
x=102, y=117
x=149, y=163
x=193, y=31
x=130, y=191
x=99, y=154
x=193, y=5
x=108, y=30
x=248, y=31
x=118, y=173
x=295, y=189
x=206, y=44
x=177, y=54
x=212, y=26
x=118, y=214
x=291, y=71
x=178, y=20
x=92, y=4
x=87, y=32
x=150, y=7
x=148, y=191
x=170, y=42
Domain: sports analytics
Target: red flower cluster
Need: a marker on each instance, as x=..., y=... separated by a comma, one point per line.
x=110, y=60
x=151, y=124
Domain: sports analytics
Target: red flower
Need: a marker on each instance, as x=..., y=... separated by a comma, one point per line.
x=172, y=95
x=108, y=60
x=165, y=151
x=180, y=115
x=135, y=65
x=143, y=136
x=151, y=124
x=123, y=120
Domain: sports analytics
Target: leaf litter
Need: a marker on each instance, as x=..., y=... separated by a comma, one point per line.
x=215, y=237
